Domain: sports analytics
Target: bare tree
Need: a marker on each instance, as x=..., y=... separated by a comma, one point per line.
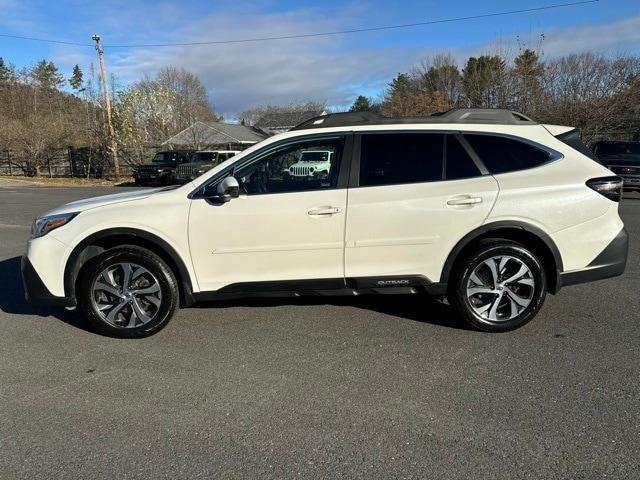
x=298, y=111
x=440, y=74
x=592, y=92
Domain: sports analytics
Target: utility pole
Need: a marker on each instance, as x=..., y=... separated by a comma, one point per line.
x=111, y=138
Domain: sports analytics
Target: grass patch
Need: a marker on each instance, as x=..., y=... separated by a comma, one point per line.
x=71, y=182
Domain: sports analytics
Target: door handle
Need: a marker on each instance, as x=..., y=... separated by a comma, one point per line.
x=324, y=210
x=468, y=200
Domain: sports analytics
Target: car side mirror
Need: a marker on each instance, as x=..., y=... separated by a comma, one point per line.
x=227, y=189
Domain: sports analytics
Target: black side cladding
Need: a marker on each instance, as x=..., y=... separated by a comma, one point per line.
x=611, y=262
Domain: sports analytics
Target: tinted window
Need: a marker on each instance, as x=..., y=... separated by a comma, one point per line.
x=285, y=168
x=392, y=158
x=502, y=154
x=618, y=148
x=459, y=163
x=572, y=138
x=204, y=157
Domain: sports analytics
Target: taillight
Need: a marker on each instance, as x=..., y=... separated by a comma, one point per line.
x=610, y=187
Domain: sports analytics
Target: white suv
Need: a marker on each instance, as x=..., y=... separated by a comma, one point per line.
x=483, y=207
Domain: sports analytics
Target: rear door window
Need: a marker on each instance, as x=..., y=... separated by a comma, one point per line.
x=503, y=154
x=396, y=158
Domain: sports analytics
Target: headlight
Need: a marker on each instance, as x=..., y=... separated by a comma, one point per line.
x=43, y=225
x=200, y=171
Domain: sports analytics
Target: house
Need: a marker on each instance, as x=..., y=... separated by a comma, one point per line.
x=214, y=135
x=279, y=122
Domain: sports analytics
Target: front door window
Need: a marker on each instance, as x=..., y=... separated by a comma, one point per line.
x=294, y=167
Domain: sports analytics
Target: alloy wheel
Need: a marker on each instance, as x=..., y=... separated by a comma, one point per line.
x=500, y=288
x=126, y=295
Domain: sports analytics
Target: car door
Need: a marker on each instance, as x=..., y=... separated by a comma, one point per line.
x=414, y=195
x=283, y=231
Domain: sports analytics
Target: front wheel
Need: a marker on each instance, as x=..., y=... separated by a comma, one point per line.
x=128, y=292
x=500, y=286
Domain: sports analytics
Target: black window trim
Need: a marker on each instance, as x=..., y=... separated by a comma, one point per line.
x=343, y=174
x=472, y=153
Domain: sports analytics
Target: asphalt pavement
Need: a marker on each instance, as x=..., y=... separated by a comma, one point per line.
x=391, y=387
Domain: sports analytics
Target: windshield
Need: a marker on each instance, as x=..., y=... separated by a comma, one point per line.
x=204, y=157
x=618, y=148
x=314, y=156
x=163, y=157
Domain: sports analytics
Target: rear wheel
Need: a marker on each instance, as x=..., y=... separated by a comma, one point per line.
x=500, y=286
x=128, y=292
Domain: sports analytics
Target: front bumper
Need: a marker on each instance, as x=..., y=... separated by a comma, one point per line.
x=35, y=290
x=611, y=262
x=184, y=178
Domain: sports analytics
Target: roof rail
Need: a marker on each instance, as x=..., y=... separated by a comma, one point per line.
x=456, y=115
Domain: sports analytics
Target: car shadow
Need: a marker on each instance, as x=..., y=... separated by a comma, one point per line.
x=12, y=298
x=418, y=308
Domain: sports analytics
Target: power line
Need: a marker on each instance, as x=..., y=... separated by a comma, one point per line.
x=46, y=40
x=319, y=34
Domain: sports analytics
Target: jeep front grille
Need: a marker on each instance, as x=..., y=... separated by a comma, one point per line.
x=300, y=171
x=186, y=171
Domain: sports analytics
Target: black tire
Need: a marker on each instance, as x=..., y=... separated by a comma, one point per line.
x=141, y=183
x=460, y=281
x=167, y=297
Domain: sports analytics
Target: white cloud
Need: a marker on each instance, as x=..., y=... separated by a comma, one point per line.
x=239, y=76
x=621, y=35
x=617, y=37
x=334, y=69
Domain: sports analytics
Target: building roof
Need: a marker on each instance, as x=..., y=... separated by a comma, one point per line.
x=214, y=133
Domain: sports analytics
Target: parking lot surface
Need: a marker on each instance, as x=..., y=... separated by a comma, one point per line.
x=392, y=387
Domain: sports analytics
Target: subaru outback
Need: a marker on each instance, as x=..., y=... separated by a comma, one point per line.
x=486, y=209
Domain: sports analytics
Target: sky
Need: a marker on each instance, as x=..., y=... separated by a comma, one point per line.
x=334, y=69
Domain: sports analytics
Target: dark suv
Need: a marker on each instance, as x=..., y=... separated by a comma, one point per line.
x=162, y=168
x=622, y=158
x=201, y=162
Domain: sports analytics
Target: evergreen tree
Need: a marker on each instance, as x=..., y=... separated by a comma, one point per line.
x=362, y=104
x=483, y=80
x=527, y=72
x=76, y=81
x=45, y=75
x=5, y=71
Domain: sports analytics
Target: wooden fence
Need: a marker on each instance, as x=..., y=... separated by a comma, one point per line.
x=67, y=162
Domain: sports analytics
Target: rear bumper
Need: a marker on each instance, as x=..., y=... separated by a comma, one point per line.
x=35, y=290
x=611, y=262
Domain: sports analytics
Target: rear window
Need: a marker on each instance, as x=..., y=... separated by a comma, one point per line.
x=503, y=154
x=204, y=157
x=574, y=140
x=618, y=148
